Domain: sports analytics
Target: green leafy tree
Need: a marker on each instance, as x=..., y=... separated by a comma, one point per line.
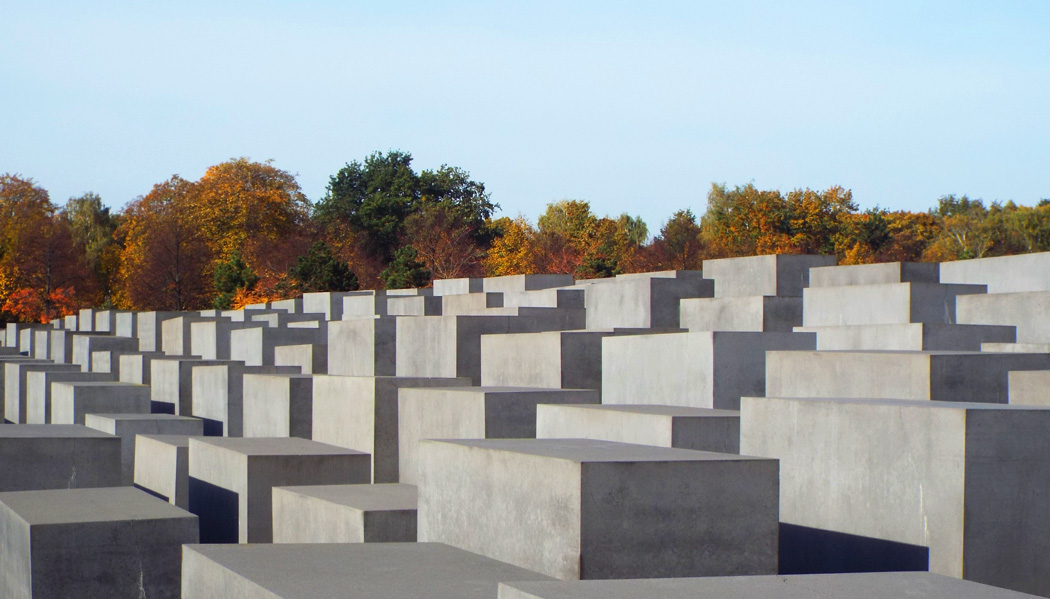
x=230, y=276
x=406, y=270
x=319, y=270
x=93, y=227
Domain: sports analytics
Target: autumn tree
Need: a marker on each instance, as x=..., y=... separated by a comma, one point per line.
x=319, y=270
x=678, y=246
x=445, y=240
x=232, y=277
x=513, y=250
x=93, y=226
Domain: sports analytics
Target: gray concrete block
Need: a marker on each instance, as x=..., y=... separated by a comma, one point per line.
x=61, y=346
x=1030, y=388
x=1002, y=274
x=363, y=347
x=91, y=543
x=1028, y=311
x=127, y=426
x=15, y=395
x=916, y=336
x=471, y=303
x=515, y=283
x=373, y=570
x=663, y=426
x=780, y=275
x=176, y=337
x=578, y=508
x=39, y=456
x=328, y=304
x=1021, y=348
x=171, y=383
x=85, y=345
x=149, y=329
x=937, y=376
x=38, y=390
x=41, y=344
x=361, y=413
x=383, y=513
x=553, y=359
x=106, y=322
x=460, y=286
x=310, y=358
x=136, y=367
x=758, y=313
x=868, y=585
x=217, y=394
x=278, y=405
x=292, y=306
x=86, y=320
x=642, y=301
x=71, y=401
x=413, y=305
x=698, y=370
x=281, y=320
x=471, y=413
x=231, y=480
x=162, y=467
x=69, y=323
x=363, y=304
x=875, y=274
x=964, y=480
x=255, y=346
x=210, y=339
x=126, y=324
x=893, y=303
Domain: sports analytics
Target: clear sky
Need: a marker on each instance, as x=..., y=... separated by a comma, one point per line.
x=633, y=106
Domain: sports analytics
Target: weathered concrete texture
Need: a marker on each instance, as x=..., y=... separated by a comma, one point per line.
x=553, y=359
x=278, y=405
x=1031, y=388
x=699, y=370
x=39, y=385
x=149, y=329
x=84, y=345
x=292, y=306
x=471, y=413
x=363, y=304
x=162, y=467
x=255, y=346
x=310, y=358
x=472, y=303
x=61, y=346
x=878, y=585
x=328, y=304
x=444, y=287
x=662, y=426
x=315, y=571
x=576, y=508
x=636, y=301
x=759, y=313
x=210, y=339
x=39, y=456
x=91, y=544
x=361, y=413
x=450, y=346
x=135, y=367
x=918, y=336
x=177, y=335
x=71, y=401
x=127, y=426
x=126, y=324
x=41, y=343
x=171, y=383
x=416, y=305
x=14, y=398
x=783, y=275
x=217, y=394
x=106, y=322
x=231, y=480
x=363, y=347
x=938, y=376
x=69, y=323
x=893, y=303
x=86, y=320
x=875, y=274
x=1003, y=274
x=384, y=513
x=966, y=480
x=1029, y=312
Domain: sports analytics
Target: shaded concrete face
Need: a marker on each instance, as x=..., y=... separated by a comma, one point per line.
x=128, y=426
x=162, y=467
x=591, y=509
x=38, y=390
x=641, y=302
x=875, y=274
x=555, y=359
x=278, y=405
x=911, y=337
x=362, y=347
x=758, y=313
x=57, y=457
x=217, y=394
x=72, y=401
x=15, y=395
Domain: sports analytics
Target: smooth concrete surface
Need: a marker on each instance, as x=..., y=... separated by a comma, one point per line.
x=230, y=481
x=162, y=467
x=128, y=426
x=91, y=544
x=471, y=413
x=1030, y=388
x=278, y=405
x=46, y=456
x=875, y=274
x=938, y=376
x=361, y=413
x=255, y=346
x=783, y=275
x=329, y=304
x=517, y=283
x=965, y=480
x=136, y=367
x=328, y=571
x=471, y=303
x=642, y=302
x=85, y=345
x=149, y=329
x=580, y=509
x=1028, y=311
x=39, y=384
x=363, y=347
x=71, y=401
x=918, y=336
x=663, y=426
x=867, y=585
x=697, y=370
x=892, y=303
x=309, y=358
x=210, y=339
x=757, y=313
x=217, y=394
x=459, y=286
x=1002, y=274
x=415, y=305
x=383, y=513
x=171, y=382
x=61, y=346
x=364, y=304
x=15, y=395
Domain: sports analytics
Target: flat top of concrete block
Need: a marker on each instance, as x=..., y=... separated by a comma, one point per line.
x=374, y=570
x=173, y=440
x=49, y=431
x=150, y=417
x=879, y=585
x=516, y=390
x=590, y=450
x=656, y=410
x=274, y=446
x=913, y=403
x=112, y=504
x=369, y=498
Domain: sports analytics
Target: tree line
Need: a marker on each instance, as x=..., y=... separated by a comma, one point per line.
x=245, y=233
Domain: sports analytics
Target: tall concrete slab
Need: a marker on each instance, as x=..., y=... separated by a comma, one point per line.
x=162, y=467
x=217, y=394
x=72, y=401
x=46, y=456
x=363, y=347
x=278, y=405
x=15, y=396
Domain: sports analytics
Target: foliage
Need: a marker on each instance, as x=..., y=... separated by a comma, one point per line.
x=406, y=271
x=319, y=270
x=231, y=276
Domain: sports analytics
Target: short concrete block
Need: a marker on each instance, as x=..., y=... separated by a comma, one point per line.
x=39, y=385
x=384, y=513
x=780, y=275
x=310, y=358
x=892, y=303
x=91, y=544
x=415, y=305
x=278, y=405
x=171, y=383
x=875, y=274
x=361, y=413
x=255, y=346
x=1028, y=311
x=44, y=456
x=328, y=304
x=758, y=313
x=162, y=467
x=231, y=480
x=84, y=345
x=471, y=413
x=663, y=426
x=61, y=346
x=363, y=347
x=217, y=394
x=578, y=508
x=917, y=336
x=460, y=286
x=1002, y=274
x=637, y=301
x=15, y=395
x=517, y=283
x=149, y=329
x=373, y=570
x=71, y=401
x=136, y=368
x=552, y=359
x=210, y=339
x=127, y=426
x=363, y=304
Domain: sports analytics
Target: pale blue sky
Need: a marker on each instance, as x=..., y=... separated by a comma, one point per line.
x=635, y=107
